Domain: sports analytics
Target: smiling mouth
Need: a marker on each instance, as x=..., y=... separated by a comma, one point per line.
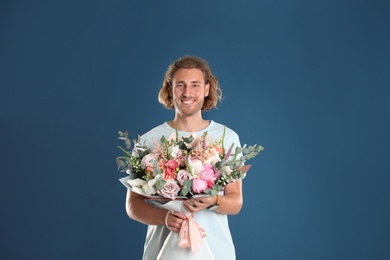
x=188, y=102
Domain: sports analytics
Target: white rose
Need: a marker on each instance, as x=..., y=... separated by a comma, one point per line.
x=195, y=167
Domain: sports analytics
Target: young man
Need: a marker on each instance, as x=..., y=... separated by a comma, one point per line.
x=189, y=88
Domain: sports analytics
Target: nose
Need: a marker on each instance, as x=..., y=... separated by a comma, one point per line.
x=187, y=91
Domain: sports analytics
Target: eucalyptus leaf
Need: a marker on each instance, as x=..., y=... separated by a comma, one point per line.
x=160, y=184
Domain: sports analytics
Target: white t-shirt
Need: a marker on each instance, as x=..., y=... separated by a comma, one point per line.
x=216, y=225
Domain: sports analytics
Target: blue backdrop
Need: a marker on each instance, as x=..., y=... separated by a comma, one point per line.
x=308, y=80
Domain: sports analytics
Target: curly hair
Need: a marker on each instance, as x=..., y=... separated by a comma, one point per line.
x=190, y=62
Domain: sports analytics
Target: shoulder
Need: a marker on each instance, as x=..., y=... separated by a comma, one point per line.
x=156, y=133
x=156, y=130
x=218, y=130
x=221, y=128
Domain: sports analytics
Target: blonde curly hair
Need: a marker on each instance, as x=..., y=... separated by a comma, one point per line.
x=190, y=62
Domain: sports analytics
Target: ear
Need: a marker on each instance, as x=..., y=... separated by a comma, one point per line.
x=206, y=89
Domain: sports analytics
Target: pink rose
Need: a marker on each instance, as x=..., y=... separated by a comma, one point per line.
x=170, y=189
x=183, y=175
x=199, y=185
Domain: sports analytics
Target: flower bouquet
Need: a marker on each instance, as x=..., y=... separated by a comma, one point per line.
x=181, y=167
x=178, y=168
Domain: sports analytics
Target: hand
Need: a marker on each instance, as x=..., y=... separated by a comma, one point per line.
x=174, y=220
x=197, y=204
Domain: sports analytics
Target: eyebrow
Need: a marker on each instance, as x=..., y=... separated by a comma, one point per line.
x=193, y=81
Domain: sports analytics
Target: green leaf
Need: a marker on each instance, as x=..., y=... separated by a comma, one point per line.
x=160, y=184
x=188, y=140
x=187, y=184
x=182, y=146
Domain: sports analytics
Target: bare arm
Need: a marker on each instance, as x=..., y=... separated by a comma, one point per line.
x=230, y=203
x=138, y=209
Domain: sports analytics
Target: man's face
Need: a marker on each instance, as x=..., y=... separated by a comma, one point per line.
x=189, y=91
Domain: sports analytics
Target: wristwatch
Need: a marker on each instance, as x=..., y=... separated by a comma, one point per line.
x=216, y=203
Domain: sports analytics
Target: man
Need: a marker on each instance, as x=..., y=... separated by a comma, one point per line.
x=189, y=88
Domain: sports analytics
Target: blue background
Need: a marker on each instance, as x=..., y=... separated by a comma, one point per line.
x=307, y=80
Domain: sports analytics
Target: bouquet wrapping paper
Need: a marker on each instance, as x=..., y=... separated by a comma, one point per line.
x=189, y=243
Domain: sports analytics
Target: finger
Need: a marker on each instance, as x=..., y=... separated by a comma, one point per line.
x=173, y=223
x=176, y=226
x=195, y=203
x=207, y=200
x=179, y=215
x=189, y=207
x=201, y=204
x=194, y=207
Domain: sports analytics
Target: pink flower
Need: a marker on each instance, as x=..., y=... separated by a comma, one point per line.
x=183, y=175
x=145, y=162
x=209, y=175
x=170, y=169
x=219, y=149
x=171, y=166
x=180, y=159
x=170, y=189
x=199, y=185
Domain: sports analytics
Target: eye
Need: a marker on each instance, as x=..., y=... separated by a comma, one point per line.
x=179, y=85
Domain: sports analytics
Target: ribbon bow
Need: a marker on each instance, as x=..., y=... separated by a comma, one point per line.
x=191, y=235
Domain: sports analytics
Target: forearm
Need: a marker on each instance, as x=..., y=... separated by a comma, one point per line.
x=138, y=209
x=229, y=204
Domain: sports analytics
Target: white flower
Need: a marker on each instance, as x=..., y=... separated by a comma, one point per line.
x=195, y=167
x=149, y=188
x=226, y=170
x=213, y=159
x=137, y=185
x=136, y=182
x=174, y=150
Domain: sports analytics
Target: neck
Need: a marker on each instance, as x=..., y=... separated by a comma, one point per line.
x=189, y=123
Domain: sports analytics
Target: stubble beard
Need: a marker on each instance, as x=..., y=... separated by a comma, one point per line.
x=186, y=112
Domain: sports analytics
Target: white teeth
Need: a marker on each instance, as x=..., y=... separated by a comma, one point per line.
x=187, y=101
